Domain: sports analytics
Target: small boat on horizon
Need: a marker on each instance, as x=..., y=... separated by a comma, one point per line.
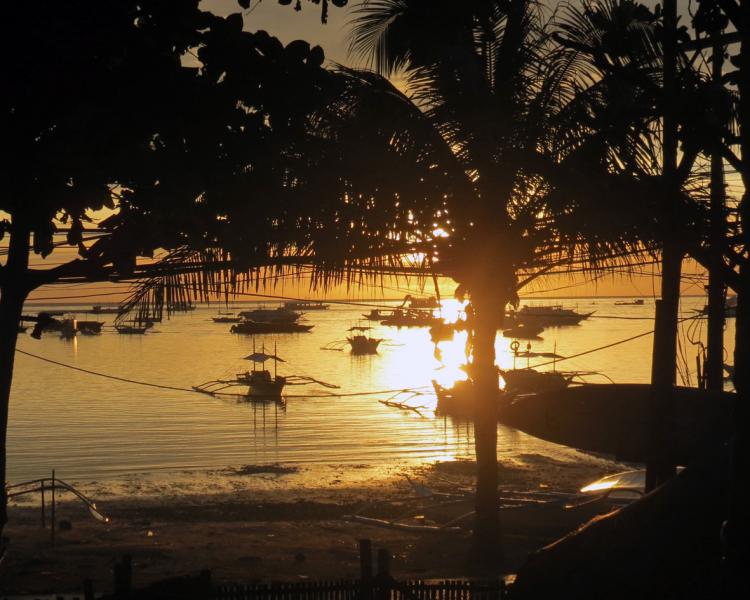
x=636, y=302
x=303, y=306
x=105, y=310
x=131, y=329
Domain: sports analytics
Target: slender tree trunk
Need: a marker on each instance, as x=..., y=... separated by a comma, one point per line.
x=663, y=366
x=12, y=296
x=484, y=373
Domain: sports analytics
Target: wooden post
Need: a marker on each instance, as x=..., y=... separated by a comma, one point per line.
x=44, y=516
x=714, y=367
x=365, y=560
x=384, y=574
x=88, y=589
x=54, y=509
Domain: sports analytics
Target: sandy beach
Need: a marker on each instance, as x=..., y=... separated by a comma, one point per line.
x=282, y=522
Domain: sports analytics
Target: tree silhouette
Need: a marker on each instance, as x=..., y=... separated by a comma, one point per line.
x=103, y=110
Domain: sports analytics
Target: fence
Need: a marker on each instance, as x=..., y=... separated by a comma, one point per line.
x=358, y=590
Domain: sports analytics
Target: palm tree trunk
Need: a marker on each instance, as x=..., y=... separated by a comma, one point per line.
x=488, y=315
x=13, y=293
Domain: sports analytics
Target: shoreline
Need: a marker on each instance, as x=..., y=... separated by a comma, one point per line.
x=277, y=523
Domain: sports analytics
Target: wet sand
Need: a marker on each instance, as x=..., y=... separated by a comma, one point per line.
x=271, y=522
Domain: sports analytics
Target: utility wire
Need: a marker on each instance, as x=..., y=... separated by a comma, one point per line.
x=193, y=391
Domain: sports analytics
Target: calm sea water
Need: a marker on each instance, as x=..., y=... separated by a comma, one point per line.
x=89, y=427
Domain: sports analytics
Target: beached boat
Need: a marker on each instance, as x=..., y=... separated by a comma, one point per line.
x=549, y=316
x=254, y=327
x=361, y=342
x=271, y=315
x=637, y=302
x=614, y=419
x=305, y=306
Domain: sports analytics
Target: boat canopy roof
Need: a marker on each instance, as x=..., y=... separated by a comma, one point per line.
x=263, y=357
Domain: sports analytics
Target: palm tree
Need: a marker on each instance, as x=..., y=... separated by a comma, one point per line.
x=515, y=111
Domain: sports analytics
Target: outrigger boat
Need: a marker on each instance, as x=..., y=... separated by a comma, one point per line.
x=261, y=385
x=253, y=327
x=362, y=343
x=259, y=382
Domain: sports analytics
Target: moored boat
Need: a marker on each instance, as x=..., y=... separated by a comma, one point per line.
x=105, y=310
x=254, y=327
x=361, y=342
x=549, y=316
x=636, y=302
x=260, y=383
x=271, y=315
x=90, y=327
x=410, y=318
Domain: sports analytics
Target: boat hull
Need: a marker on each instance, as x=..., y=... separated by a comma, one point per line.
x=615, y=419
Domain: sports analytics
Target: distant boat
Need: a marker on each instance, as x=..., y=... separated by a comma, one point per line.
x=361, y=342
x=412, y=302
x=730, y=308
x=377, y=315
x=303, y=306
x=410, y=318
x=549, y=316
x=274, y=315
x=131, y=329
x=105, y=310
x=637, y=302
x=524, y=331
x=254, y=327
x=227, y=319
x=181, y=307
x=90, y=327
